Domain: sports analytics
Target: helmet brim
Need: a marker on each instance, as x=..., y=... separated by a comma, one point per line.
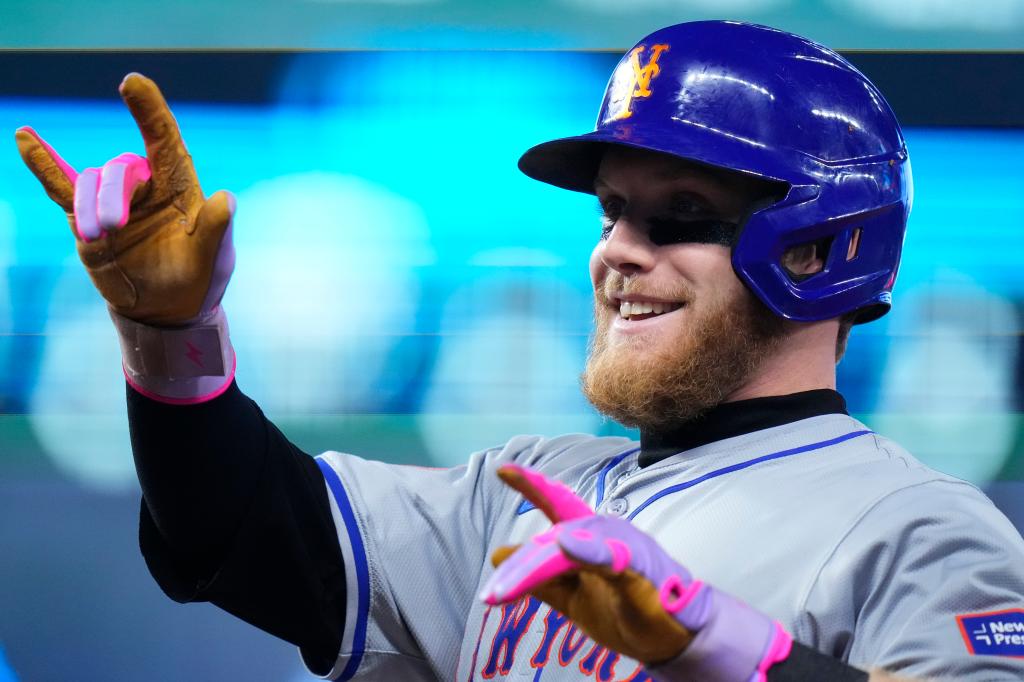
x=573, y=162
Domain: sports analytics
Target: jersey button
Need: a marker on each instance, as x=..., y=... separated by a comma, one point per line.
x=617, y=507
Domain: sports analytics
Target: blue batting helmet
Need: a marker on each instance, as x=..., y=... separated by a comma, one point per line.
x=776, y=106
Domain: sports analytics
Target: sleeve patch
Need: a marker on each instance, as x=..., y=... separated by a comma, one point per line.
x=993, y=633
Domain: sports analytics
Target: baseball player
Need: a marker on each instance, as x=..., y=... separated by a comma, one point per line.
x=755, y=189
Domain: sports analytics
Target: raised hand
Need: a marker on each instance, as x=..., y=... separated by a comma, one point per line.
x=617, y=584
x=156, y=249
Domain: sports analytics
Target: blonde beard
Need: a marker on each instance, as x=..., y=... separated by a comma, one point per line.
x=716, y=353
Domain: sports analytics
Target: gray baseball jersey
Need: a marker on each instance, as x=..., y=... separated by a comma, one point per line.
x=854, y=546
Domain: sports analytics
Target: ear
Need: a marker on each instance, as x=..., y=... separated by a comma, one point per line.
x=805, y=260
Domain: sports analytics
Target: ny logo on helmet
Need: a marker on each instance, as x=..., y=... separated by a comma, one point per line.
x=632, y=82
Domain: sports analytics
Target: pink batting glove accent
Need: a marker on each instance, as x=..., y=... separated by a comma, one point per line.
x=621, y=554
x=675, y=594
x=70, y=173
x=778, y=650
x=103, y=195
x=177, y=365
x=548, y=536
x=217, y=388
x=86, y=218
x=541, y=558
x=537, y=561
x=224, y=265
x=119, y=179
x=561, y=499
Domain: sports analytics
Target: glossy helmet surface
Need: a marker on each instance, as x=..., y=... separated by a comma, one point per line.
x=777, y=106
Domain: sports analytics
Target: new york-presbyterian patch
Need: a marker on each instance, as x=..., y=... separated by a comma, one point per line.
x=994, y=633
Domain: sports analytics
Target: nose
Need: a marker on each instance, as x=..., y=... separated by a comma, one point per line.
x=627, y=248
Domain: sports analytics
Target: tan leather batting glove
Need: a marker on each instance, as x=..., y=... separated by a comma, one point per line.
x=147, y=236
x=158, y=251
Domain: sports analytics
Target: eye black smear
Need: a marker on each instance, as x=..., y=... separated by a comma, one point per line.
x=670, y=231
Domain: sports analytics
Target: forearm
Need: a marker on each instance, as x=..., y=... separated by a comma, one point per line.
x=235, y=514
x=199, y=466
x=805, y=663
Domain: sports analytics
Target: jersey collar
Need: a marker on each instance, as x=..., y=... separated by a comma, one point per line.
x=736, y=419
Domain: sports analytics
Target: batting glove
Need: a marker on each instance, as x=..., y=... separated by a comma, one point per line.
x=158, y=251
x=617, y=584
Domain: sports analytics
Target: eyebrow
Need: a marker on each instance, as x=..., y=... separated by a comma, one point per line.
x=669, y=174
x=600, y=183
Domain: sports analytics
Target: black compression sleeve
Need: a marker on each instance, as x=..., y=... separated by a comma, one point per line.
x=804, y=663
x=235, y=514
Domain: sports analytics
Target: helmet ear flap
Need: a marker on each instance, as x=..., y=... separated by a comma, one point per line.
x=827, y=266
x=803, y=261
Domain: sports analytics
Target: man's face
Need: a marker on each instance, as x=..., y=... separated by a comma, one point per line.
x=676, y=331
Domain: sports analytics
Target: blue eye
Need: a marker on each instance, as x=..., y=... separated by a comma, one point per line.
x=689, y=207
x=610, y=210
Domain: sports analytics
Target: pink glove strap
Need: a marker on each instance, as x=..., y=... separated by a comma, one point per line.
x=177, y=365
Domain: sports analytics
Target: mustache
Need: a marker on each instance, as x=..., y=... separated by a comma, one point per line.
x=617, y=283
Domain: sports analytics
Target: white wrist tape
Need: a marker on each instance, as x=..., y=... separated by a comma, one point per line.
x=177, y=365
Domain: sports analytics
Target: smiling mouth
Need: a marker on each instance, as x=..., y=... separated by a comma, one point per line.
x=635, y=311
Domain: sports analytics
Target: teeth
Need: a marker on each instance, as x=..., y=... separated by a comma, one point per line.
x=627, y=308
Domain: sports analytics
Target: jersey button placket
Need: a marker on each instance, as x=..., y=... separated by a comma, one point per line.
x=617, y=506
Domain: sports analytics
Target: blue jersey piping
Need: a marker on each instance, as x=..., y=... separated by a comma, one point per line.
x=362, y=570
x=604, y=474
x=743, y=465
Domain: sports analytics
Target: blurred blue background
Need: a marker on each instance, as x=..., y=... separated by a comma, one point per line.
x=561, y=24
x=402, y=292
